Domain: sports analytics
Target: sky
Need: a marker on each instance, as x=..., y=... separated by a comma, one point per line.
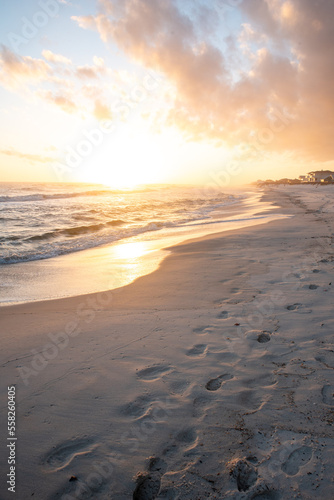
x=128, y=92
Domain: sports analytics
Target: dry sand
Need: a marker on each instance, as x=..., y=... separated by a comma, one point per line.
x=210, y=378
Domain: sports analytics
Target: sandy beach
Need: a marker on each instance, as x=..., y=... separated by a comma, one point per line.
x=211, y=377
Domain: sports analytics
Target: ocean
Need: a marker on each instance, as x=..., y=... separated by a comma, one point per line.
x=40, y=221
x=63, y=240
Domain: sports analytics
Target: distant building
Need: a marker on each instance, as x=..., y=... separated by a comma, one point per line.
x=320, y=175
x=304, y=178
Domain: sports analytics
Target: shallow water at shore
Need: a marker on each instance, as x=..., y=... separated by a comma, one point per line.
x=120, y=263
x=42, y=221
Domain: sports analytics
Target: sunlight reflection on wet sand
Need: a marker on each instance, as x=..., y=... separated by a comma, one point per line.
x=112, y=266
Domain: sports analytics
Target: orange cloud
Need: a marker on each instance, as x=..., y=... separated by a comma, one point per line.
x=17, y=70
x=279, y=89
x=101, y=23
x=63, y=102
x=55, y=58
x=26, y=156
x=305, y=27
x=101, y=111
x=86, y=72
x=21, y=73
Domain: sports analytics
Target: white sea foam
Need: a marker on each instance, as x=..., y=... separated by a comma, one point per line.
x=55, y=220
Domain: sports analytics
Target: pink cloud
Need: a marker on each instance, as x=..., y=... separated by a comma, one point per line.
x=288, y=67
x=55, y=58
x=62, y=101
x=17, y=70
x=86, y=72
x=29, y=77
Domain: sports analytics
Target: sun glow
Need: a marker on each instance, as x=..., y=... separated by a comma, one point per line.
x=124, y=162
x=131, y=250
x=131, y=260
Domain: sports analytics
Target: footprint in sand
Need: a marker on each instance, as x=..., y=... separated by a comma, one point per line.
x=186, y=440
x=299, y=308
x=263, y=337
x=223, y=315
x=179, y=386
x=328, y=395
x=168, y=494
x=153, y=372
x=249, y=399
x=266, y=495
x=147, y=488
x=263, y=380
x=200, y=404
x=202, y=330
x=137, y=408
x=244, y=473
x=215, y=383
x=297, y=459
x=186, y=436
x=148, y=485
x=157, y=465
x=326, y=358
x=197, y=350
x=293, y=307
x=63, y=454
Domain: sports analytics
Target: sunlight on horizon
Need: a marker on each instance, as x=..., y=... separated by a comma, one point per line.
x=126, y=164
x=180, y=103
x=132, y=158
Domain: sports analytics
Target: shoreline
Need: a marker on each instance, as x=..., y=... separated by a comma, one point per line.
x=111, y=266
x=217, y=364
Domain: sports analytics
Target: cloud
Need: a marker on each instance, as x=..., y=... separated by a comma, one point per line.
x=91, y=72
x=305, y=28
x=250, y=37
x=63, y=102
x=85, y=22
x=99, y=62
x=31, y=77
x=101, y=111
x=55, y=58
x=17, y=71
x=100, y=23
x=26, y=156
x=279, y=63
x=22, y=72
x=86, y=72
